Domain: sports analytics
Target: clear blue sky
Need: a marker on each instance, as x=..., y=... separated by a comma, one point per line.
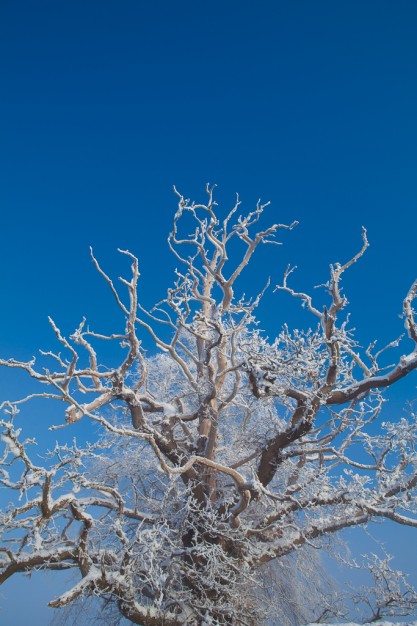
x=105, y=105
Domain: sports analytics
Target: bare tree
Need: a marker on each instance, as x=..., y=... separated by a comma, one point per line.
x=222, y=451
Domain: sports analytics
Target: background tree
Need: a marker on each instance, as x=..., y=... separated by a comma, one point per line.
x=221, y=451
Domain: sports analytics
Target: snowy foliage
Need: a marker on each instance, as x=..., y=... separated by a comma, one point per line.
x=225, y=457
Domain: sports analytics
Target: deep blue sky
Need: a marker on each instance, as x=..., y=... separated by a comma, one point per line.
x=105, y=105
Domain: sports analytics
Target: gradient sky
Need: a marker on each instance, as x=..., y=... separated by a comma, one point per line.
x=105, y=105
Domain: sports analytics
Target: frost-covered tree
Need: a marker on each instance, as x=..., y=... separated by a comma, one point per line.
x=222, y=454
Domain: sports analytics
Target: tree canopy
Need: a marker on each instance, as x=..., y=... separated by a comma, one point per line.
x=222, y=452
